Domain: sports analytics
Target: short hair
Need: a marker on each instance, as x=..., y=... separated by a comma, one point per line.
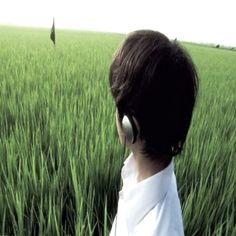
x=154, y=80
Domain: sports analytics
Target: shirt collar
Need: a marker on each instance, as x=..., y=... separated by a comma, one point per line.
x=140, y=198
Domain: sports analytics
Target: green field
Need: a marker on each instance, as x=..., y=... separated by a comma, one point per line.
x=59, y=151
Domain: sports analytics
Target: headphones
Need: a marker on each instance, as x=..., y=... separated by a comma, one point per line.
x=129, y=128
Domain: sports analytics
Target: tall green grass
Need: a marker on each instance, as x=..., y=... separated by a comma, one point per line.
x=60, y=155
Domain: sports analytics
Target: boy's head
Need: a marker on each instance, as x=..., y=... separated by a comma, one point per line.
x=154, y=81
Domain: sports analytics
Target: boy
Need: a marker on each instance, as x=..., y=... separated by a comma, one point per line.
x=154, y=84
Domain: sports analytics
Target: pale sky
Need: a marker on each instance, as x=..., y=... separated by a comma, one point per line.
x=206, y=21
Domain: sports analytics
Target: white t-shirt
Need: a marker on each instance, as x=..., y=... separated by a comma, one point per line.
x=150, y=207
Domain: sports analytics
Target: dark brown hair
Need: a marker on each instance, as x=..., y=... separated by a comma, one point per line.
x=155, y=80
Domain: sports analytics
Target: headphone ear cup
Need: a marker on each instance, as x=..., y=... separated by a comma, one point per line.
x=129, y=128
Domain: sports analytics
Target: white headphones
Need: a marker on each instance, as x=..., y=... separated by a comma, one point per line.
x=129, y=128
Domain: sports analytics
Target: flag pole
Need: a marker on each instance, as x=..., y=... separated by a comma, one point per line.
x=53, y=33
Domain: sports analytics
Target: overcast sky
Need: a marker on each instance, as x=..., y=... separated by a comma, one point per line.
x=208, y=21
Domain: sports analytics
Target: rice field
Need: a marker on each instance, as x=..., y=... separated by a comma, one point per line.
x=59, y=151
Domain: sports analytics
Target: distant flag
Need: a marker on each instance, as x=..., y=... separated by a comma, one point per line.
x=53, y=33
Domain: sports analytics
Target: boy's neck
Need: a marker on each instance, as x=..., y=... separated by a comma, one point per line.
x=146, y=167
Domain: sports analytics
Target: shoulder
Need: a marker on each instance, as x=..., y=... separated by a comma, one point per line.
x=164, y=219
